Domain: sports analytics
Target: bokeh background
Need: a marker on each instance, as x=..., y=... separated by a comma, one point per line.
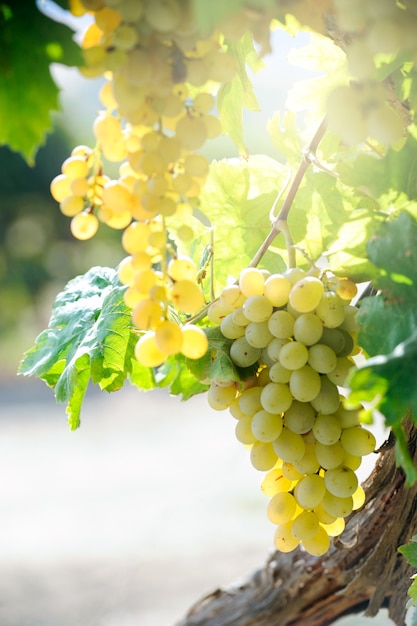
x=152, y=503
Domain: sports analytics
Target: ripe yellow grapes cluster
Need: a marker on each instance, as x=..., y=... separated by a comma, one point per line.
x=299, y=329
x=364, y=108
x=158, y=109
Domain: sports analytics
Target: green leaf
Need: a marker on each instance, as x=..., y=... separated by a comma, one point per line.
x=388, y=333
x=238, y=93
x=29, y=43
x=89, y=337
x=209, y=15
x=409, y=551
x=216, y=364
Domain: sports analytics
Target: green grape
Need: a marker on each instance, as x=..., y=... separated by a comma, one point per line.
x=250, y=400
x=289, y=446
x=308, y=464
x=168, y=337
x=350, y=323
x=284, y=540
x=279, y=374
x=220, y=397
x=309, y=491
x=230, y=329
x=281, y=508
x=191, y=132
x=330, y=456
x=306, y=294
x=277, y=289
x=339, y=374
x=308, y=329
x=218, y=311
x=266, y=426
x=275, y=482
x=341, y=481
x=305, y=525
x=294, y=274
x=334, y=529
x=338, y=507
x=243, y=354
x=276, y=397
x=334, y=338
x=194, y=342
x=305, y=384
x=274, y=348
x=239, y=317
x=318, y=544
x=251, y=281
x=323, y=515
x=347, y=417
x=385, y=35
x=187, y=296
x=352, y=461
x=330, y=310
x=349, y=341
x=257, y=308
x=327, y=429
x=257, y=334
x=262, y=456
x=358, y=441
x=243, y=431
x=203, y=102
x=235, y=410
x=322, y=358
x=328, y=399
x=299, y=417
x=232, y=296
x=290, y=472
x=147, y=351
x=84, y=225
x=281, y=324
x=293, y=355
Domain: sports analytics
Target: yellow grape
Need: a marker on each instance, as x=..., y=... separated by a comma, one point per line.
x=318, y=544
x=71, y=205
x=281, y=508
x=84, y=225
x=147, y=351
x=75, y=167
x=187, y=296
x=168, y=337
x=60, y=187
x=194, y=342
x=147, y=314
x=284, y=540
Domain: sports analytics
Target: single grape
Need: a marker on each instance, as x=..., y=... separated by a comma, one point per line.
x=308, y=464
x=358, y=441
x=250, y=400
x=330, y=456
x=243, y=354
x=338, y=507
x=305, y=525
x=277, y=288
x=266, y=426
x=275, y=482
x=305, y=384
x=251, y=282
x=289, y=446
x=322, y=358
x=318, y=544
x=281, y=324
x=293, y=355
x=257, y=334
x=327, y=400
x=341, y=481
x=147, y=351
x=309, y=491
x=276, y=397
x=299, y=417
x=262, y=456
x=330, y=310
x=243, y=431
x=281, y=508
x=306, y=294
x=84, y=225
x=187, y=296
x=327, y=429
x=257, y=308
x=230, y=329
x=308, y=329
x=284, y=540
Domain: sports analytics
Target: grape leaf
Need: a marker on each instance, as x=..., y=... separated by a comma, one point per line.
x=238, y=93
x=409, y=551
x=88, y=338
x=29, y=43
x=388, y=333
x=216, y=364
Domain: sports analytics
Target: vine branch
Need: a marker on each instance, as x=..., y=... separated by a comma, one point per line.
x=282, y=216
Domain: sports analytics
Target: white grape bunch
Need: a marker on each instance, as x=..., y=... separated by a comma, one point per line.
x=299, y=331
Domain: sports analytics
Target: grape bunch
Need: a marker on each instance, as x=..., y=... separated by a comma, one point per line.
x=373, y=30
x=298, y=331
x=162, y=74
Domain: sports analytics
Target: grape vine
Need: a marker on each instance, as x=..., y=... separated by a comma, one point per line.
x=275, y=337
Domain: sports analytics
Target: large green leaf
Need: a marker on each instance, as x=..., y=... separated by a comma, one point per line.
x=89, y=337
x=29, y=43
x=388, y=333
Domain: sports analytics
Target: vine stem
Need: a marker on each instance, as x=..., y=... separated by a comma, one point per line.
x=281, y=219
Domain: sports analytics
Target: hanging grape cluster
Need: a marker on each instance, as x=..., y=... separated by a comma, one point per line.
x=374, y=31
x=299, y=330
x=158, y=110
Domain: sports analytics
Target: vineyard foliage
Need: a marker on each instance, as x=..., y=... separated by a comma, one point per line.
x=339, y=197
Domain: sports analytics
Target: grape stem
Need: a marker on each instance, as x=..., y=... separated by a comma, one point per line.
x=277, y=226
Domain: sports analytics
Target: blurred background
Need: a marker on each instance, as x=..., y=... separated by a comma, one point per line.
x=152, y=503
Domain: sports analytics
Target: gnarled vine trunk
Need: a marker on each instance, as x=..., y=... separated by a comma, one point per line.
x=362, y=570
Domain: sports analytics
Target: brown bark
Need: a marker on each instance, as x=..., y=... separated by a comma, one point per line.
x=362, y=570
